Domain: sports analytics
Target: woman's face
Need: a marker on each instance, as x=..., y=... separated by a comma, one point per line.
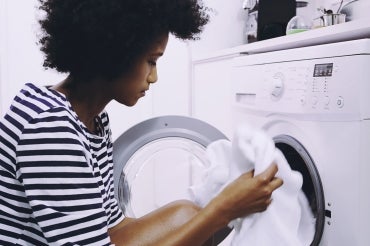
x=128, y=88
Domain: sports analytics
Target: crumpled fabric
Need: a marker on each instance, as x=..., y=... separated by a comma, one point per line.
x=288, y=221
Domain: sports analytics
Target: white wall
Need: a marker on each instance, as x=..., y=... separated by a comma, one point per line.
x=21, y=60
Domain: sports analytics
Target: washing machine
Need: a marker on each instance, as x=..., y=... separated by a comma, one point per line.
x=314, y=102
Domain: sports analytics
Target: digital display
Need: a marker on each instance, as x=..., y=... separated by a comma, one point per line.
x=323, y=70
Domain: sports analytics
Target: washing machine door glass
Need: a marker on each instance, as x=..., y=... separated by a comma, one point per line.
x=156, y=161
x=159, y=172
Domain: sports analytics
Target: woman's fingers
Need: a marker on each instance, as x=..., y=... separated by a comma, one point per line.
x=268, y=179
x=276, y=183
x=249, y=194
x=269, y=173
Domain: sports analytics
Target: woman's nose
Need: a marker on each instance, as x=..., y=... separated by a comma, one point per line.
x=153, y=76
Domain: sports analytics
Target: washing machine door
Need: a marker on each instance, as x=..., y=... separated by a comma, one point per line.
x=157, y=160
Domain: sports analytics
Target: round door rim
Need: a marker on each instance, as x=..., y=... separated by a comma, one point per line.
x=156, y=128
x=163, y=127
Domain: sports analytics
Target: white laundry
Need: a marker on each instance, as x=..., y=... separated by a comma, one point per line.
x=288, y=221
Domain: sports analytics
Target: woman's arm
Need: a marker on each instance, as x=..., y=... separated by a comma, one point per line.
x=184, y=224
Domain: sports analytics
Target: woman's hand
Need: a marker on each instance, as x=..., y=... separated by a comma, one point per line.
x=248, y=194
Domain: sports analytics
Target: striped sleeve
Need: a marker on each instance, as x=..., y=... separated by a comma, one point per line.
x=59, y=181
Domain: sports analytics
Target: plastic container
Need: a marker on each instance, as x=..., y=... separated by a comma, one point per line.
x=298, y=24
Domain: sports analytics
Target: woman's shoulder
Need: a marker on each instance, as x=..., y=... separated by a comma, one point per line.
x=35, y=104
x=34, y=99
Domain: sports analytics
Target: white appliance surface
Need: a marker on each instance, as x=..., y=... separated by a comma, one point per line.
x=318, y=97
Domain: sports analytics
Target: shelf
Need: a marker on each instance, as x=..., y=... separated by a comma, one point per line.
x=356, y=29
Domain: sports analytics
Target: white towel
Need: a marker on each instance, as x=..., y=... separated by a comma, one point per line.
x=288, y=221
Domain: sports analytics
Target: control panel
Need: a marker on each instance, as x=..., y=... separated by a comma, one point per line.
x=333, y=85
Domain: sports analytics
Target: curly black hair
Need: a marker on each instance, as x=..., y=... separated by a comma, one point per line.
x=89, y=38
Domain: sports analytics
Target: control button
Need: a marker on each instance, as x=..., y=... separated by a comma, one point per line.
x=303, y=100
x=326, y=100
x=277, y=85
x=340, y=102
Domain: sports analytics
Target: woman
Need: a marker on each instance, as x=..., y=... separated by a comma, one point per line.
x=55, y=142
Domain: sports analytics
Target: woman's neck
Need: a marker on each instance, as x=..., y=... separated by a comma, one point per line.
x=88, y=98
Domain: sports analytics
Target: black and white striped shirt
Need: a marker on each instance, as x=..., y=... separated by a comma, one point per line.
x=56, y=178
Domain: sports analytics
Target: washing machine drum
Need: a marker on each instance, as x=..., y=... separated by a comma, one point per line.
x=157, y=160
x=300, y=160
